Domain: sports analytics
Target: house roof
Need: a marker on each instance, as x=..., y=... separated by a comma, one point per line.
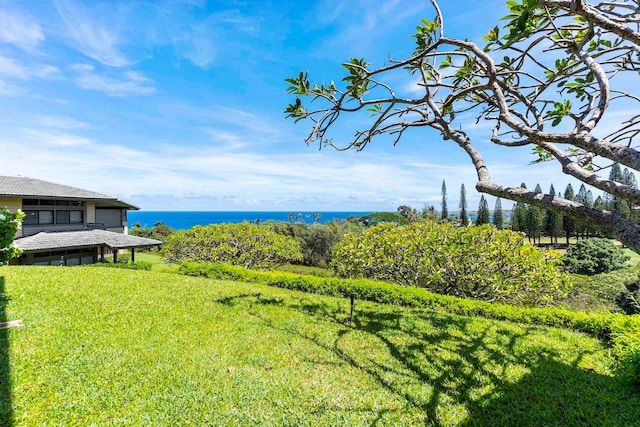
x=81, y=239
x=22, y=186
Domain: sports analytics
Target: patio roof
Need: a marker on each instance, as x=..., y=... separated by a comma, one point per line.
x=81, y=239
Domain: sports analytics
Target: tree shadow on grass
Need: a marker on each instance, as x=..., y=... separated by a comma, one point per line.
x=495, y=373
x=6, y=408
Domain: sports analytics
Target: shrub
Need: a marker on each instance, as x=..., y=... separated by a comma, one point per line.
x=472, y=262
x=138, y=265
x=316, y=240
x=594, y=256
x=160, y=232
x=9, y=226
x=244, y=244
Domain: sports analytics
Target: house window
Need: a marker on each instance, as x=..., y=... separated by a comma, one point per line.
x=31, y=218
x=38, y=217
x=75, y=217
x=45, y=217
x=62, y=217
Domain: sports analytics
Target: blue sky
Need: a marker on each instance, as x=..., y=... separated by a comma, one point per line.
x=179, y=105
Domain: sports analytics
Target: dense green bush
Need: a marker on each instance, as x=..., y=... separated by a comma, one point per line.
x=160, y=231
x=246, y=245
x=594, y=256
x=316, y=240
x=622, y=331
x=472, y=262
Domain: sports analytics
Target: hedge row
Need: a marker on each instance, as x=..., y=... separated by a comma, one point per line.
x=623, y=332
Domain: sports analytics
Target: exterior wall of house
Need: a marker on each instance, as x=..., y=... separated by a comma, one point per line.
x=67, y=257
x=91, y=212
x=14, y=205
x=112, y=219
x=53, y=212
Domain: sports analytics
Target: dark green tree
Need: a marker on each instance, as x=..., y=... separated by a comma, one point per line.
x=519, y=215
x=534, y=220
x=444, y=214
x=568, y=223
x=553, y=221
x=483, y=216
x=498, y=215
x=464, y=216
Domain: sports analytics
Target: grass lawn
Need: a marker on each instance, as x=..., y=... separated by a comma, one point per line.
x=157, y=262
x=120, y=347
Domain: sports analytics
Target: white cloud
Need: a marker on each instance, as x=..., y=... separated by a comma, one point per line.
x=19, y=30
x=10, y=68
x=129, y=83
x=60, y=122
x=36, y=136
x=94, y=39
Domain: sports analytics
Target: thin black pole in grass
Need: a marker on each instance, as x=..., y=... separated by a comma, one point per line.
x=353, y=298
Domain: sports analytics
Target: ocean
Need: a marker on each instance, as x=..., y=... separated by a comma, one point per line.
x=186, y=220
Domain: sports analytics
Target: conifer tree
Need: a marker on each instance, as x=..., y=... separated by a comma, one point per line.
x=464, y=216
x=483, y=216
x=553, y=221
x=498, y=215
x=444, y=215
x=519, y=215
x=568, y=224
x=534, y=219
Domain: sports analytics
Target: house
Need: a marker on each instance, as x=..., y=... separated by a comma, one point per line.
x=67, y=225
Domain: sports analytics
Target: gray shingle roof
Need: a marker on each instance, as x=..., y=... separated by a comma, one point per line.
x=81, y=239
x=24, y=186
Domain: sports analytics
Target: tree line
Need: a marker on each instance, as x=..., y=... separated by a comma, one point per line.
x=533, y=220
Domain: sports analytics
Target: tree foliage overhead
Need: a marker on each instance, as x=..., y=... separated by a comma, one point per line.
x=561, y=77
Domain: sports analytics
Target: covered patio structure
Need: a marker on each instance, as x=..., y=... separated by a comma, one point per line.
x=77, y=247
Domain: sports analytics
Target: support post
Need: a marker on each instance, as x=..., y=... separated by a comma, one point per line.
x=115, y=255
x=133, y=254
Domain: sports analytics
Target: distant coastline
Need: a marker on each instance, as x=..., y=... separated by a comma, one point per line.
x=186, y=219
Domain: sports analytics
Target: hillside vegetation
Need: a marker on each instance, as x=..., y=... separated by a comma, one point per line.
x=119, y=347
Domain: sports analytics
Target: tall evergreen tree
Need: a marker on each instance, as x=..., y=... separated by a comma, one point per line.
x=534, y=219
x=552, y=221
x=498, y=215
x=568, y=224
x=483, y=216
x=519, y=215
x=445, y=212
x=515, y=219
x=464, y=216
x=581, y=229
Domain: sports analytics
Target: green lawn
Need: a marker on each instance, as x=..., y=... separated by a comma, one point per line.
x=119, y=347
x=157, y=262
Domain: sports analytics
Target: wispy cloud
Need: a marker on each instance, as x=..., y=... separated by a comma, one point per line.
x=60, y=122
x=11, y=70
x=128, y=83
x=93, y=38
x=19, y=30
